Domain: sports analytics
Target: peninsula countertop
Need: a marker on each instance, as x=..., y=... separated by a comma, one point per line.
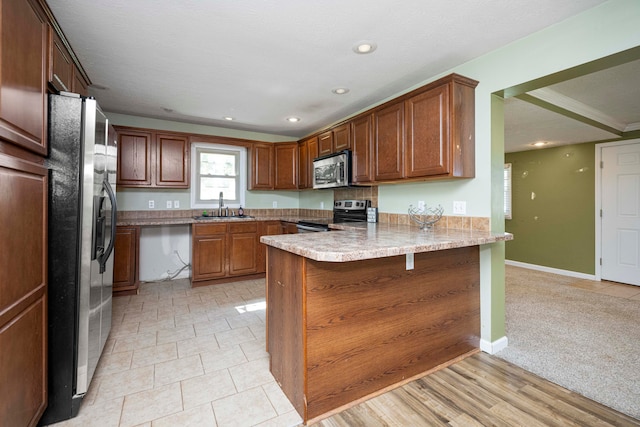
x=377, y=240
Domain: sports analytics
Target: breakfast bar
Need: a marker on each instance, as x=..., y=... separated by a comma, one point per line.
x=367, y=307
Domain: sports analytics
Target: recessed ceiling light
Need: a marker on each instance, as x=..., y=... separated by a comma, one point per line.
x=340, y=91
x=228, y=118
x=540, y=143
x=364, y=47
x=293, y=119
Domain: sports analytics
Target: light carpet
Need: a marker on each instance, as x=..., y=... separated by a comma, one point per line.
x=582, y=340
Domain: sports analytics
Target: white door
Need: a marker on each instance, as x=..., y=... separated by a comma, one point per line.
x=621, y=213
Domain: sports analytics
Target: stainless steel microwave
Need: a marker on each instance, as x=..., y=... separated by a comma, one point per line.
x=332, y=170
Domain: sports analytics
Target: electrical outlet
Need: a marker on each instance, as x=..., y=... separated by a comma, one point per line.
x=321, y=205
x=169, y=204
x=410, y=262
x=420, y=204
x=152, y=204
x=275, y=204
x=176, y=204
x=459, y=208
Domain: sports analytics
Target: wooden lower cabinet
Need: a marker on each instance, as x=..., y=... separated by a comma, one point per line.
x=23, y=291
x=224, y=250
x=126, y=261
x=338, y=332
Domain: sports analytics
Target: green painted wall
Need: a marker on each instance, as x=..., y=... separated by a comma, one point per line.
x=553, y=208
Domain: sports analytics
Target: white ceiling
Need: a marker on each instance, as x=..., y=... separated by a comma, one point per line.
x=261, y=61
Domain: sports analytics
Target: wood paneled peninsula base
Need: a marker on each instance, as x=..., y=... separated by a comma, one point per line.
x=341, y=331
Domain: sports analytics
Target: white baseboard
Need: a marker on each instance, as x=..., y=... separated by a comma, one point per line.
x=551, y=270
x=494, y=347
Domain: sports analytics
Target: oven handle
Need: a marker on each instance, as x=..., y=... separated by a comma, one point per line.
x=311, y=228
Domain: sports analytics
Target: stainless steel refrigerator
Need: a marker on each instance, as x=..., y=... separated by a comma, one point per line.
x=82, y=165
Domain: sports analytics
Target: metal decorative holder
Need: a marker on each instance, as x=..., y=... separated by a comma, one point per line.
x=425, y=217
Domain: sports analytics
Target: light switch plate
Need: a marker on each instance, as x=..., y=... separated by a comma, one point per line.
x=169, y=204
x=459, y=208
x=176, y=204
x=152, y=204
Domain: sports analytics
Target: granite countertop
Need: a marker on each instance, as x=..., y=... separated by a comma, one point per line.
x=191, y=220
x=376, y=240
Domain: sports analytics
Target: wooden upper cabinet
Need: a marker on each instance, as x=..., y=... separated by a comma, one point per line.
x=440, y=127
x=262, y=162
x=427, y=133
x=80, y=85
x=60, y=64
x=172, y=161
x=341, y=137
x=388, y=142
x=23, y=75
x=134, y=158
x=149, y=159
x=303, y=164
x=361, y=145
x=286, y=166
x=325, y=143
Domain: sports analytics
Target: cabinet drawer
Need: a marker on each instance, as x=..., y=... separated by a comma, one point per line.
x=208, y=229
x=246, y=227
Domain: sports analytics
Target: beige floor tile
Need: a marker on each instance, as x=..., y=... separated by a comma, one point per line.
x=191, y=318
x=115, y=362
x=175, y=334
x=254, y=349
x=122, y=329
x=244, y=319
x=234, y=336
x=126, y=382
x=102, y=414
x=177, y=370
x=207, y=388
x=248, y=408
x=199, y=416
x=135, y=341
x=167, y=322
x=222, y=359
x=152, y=355
x=259, y=331
x=210, y=327
x=142, y=315
x=290, y=419
x=277, y=398
x=251, y=374
x=150, y=405
x=197, y=345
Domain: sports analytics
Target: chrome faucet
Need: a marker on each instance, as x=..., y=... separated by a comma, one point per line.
x=220, y=203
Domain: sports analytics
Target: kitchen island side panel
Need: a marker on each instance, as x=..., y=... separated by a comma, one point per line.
x=285, y=324
x=373, y=323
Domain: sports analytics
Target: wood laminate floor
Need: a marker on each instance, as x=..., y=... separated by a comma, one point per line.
x=481, y=390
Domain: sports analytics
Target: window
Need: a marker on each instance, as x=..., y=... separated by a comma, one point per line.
x=217, y=169
x=507, y=190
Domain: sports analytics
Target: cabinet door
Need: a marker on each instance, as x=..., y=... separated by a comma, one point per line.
x=172, y=161
x=60, y=63
x=243, y=253
x=23, y=75
x=125, y=264
x=208, y=257
x=134, y=159
x=261, y=167
x=388, y=142
x=23, y=291
x=361, y=130
x=427, y=132
x=286, y=166
x=325, y=143
x=303, y=165
x=312, y=153
x=80, y=85
x=342, y=137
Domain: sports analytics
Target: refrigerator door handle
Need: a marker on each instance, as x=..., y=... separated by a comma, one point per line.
x=114, y=217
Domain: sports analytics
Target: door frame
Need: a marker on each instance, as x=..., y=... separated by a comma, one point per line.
x=598, y=194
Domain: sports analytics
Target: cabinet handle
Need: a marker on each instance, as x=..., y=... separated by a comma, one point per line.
x=280, y=283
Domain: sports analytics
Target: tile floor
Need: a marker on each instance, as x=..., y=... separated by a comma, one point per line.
x=178, y=356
